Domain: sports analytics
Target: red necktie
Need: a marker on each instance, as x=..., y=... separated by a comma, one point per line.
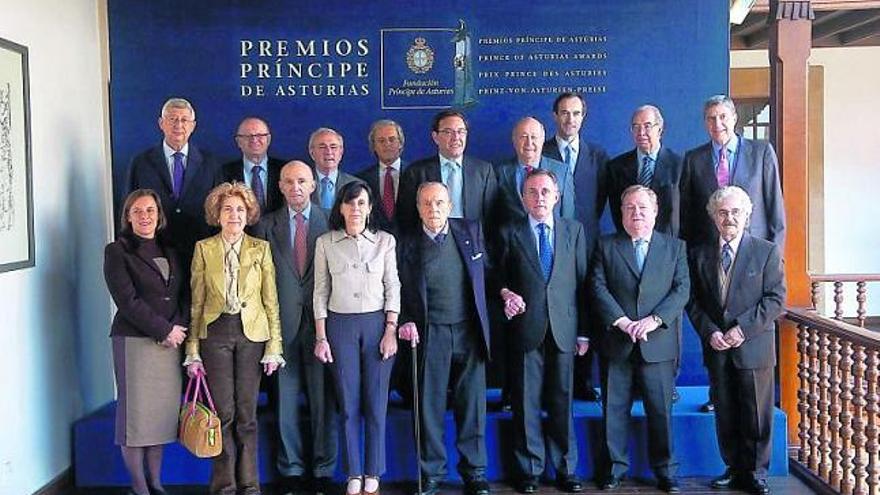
x=723, y=172
x=528, y=169
x=299, y=243
x=388, y=193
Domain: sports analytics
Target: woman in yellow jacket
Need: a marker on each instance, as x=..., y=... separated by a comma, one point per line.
x=235, y=330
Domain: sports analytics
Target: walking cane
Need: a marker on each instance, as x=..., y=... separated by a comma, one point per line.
x=416, y=428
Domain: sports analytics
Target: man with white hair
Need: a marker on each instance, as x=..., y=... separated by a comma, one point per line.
x=326, y=148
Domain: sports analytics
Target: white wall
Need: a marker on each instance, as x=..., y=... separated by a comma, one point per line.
x=54, y=351
x=852, y=159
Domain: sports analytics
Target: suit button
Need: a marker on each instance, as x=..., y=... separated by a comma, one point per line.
x=166, y=298
x=356, y=295
x=354, y=265
x=244, y=305
x=177, y=210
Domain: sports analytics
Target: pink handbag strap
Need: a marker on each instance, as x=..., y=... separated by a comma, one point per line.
x=204, y=386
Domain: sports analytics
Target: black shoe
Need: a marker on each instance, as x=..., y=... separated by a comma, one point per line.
x=429, y=487
x=569, y=484
x=527, y=485
x=157, y=491
x=506, y=407
x=476, y=487
x=668, y=485
x=320, y=484
x=752, y=485
x=723, y=481
x=707, y=407
x=589, y=394
x=611, y=483
x=675, y=395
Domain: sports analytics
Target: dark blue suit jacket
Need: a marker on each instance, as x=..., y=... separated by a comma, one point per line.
x=623, y=171
x=509, y=206
x=414, y=300
x=370, y=175
x=234, y=171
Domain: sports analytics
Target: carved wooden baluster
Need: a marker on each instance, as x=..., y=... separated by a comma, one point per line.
x=858, y=421
x=838, y=300
x=813, y=398
x=836, y=457
x=846, y=431
x=803, y=393
x=872, y=408
x=814, y=294
x=861, y=297
x=824, y=406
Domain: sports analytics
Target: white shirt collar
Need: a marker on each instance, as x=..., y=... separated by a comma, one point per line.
x=433, y=235
x=395, y=165
x=734, y=243
x=169, y=151
x=574, y=143
x=533, y=223
x=305, y=213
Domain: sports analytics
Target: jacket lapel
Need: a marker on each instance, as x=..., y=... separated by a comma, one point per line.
x=160, y=165
x=281, y=232
x=527, y=245
x=193, y=168
x=246, y=263
x=317, y=226
x=214, y=261
x=655, y=249
x=624, y=246
x=744, y=160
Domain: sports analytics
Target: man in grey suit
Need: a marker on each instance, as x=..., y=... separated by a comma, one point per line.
x=326, y=147
x=640, y=286
x=471, y=181
x=738, y=292
x=291, y=232
x=542, y=286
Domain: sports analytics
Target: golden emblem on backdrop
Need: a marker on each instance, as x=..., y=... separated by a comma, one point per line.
x=420, y=56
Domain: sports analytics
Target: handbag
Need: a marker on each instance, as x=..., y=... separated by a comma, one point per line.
x=199, y=424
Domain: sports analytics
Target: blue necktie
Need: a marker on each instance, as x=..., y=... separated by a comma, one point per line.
x=569, y=158
x=646, y=174
x=726, y=258
x=177, y=181
x=326, y=193
x=453, y=182
x=545, y=251
x=257, y=185
x=640, y=253
x=439, y=238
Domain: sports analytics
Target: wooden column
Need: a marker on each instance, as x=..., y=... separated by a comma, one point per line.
x=790, y=42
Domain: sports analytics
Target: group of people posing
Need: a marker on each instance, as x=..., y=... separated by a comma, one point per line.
x=318, y=276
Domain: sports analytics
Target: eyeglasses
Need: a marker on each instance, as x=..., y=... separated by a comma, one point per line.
x=178, y=120
x=453, y=132
x=647, y=126
x=250, y=137
x=388, y=140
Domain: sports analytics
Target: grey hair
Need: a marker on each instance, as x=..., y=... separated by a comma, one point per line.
x=382, y=123
x=177, y=103
x=650, y=108
x=636, y=188
x=716, y=100
x=729, y=192
x=324, y=130
x=425, y=185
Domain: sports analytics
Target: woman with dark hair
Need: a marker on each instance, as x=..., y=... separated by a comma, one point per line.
x=356, y=302
x=236, y=330
x=146, y=282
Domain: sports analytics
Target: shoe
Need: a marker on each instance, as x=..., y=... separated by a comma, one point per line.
x=611, y=483
x=707, y=407
x=723, y=481
x=250, y=491
x=668, y=485
x=289, y=484
x=507, y=407
x=319, y=484
x=588, y=394
x=157, y=491
x=476, y=487
x=430, y=487
x=364, y=491
x=569, y=483
x=528, y=485
x=752, y=485
x=675, y=396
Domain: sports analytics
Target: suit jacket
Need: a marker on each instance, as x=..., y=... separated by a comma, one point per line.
x=185, y=215
x=294, y=291
x=755, y=298
x=755, y=169
x=662, y=289
x=256, y=290
x=370, y=175
x=234, y=171
x=414, y=293
x=147, y=305
x=341, y=180
x=559, y=303
x=509, y=205
x=623, y=171
x=478, y=183
x=589, y=180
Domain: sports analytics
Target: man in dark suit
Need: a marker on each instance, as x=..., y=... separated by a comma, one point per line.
x=443, y=304
x=640, y=286
x=291, y=232
x=326, y=148
x=749, y=164
x=543, y=260
x=256, y=168
x=471, y=181
x=587, y=163
x=738, y=292
x=182, y=174
x=386, y=142
x=650, y=164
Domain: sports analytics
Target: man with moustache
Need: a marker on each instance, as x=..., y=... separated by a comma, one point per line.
x=471, y=181
x=291, y=232
x=326, y=148
x=543, y=260
x=255, y=167
x=640, y=286
x=386, y=142
x=738, y=293
x=443, y=305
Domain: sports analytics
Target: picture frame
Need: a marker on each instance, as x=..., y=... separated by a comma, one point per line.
x=16, y=184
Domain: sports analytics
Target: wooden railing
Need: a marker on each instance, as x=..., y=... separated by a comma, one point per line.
x=838, y=402
x=839, y=279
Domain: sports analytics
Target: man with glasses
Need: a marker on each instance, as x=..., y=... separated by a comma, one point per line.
x=182, y=174
x=326, y=148
x=256, y=168
x=386, y=141
x=471, y=181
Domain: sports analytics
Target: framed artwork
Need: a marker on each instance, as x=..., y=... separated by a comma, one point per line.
x=16, y=190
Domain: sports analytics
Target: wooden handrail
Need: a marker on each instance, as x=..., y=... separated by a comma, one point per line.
x=838, y=279
x=842, y=329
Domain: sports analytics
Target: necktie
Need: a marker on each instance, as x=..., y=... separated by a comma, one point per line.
x=257, y=185
x=569, y=158
x=545, y=251
x=640, y=253
x=299, y=243
x=326, y=193
x=527, y=169
x=723, y=172
x=726, y=258
x=646, y=174
x=388, y=193
x=454, y=185
x=439, y=238
x=177, y=182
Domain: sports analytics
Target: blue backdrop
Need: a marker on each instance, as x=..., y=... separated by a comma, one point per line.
x=343, y=64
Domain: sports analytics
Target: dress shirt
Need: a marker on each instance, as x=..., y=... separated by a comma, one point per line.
x=355, y=274
x=230, y=275
x=395, y=176
x=249, y=173
x=575, y=144
x=521, y=175
x=292, y=221
x=533, y=224
x=433, y=235
x=724, y=278
x=640, y=157
x=732, y=149
x=169, y=157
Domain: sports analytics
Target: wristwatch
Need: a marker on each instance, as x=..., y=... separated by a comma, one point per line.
x=657, y=320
